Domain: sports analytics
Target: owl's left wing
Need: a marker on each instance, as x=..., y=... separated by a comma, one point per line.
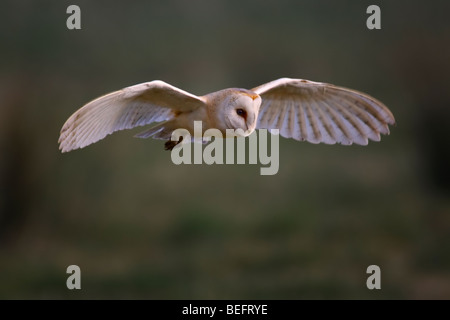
x=320, y=112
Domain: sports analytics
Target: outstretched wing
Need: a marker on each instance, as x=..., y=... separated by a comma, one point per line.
x=130, y=107
x=320, y=112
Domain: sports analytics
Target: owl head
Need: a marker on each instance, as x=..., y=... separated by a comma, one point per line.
x=238, y=109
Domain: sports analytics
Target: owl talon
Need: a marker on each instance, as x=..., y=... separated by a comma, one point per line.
x=169, y=145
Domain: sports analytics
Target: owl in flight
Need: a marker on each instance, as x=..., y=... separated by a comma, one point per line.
x=301, y=109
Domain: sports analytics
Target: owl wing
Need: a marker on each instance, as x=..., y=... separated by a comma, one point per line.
x=130, y=107
x=320, y=112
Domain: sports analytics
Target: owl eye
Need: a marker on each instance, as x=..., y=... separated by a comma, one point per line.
x=240, y=112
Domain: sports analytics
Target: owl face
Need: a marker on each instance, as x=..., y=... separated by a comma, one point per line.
x=240, y=111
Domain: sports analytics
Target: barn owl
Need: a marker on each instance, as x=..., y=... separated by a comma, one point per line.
x=300, y=109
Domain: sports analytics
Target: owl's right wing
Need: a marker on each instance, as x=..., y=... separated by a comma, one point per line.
x=320, y=112
x=130, y=107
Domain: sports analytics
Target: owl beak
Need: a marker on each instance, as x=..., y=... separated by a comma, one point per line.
x=250, y=125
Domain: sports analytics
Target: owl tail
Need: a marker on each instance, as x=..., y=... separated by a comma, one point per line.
x=160, y=131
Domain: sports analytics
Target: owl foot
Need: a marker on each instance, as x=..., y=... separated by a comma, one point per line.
x=169, y=145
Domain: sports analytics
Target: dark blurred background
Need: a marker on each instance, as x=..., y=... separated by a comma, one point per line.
x=141, y=227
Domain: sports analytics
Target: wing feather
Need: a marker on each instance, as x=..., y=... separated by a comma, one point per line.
x=339, y=122
x=302, y=134
x=282, y=117
x=313, y=127
x=355, y=127
x=286, y=128
x=328, y=132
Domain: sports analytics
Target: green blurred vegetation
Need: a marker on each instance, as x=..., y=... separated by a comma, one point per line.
x=140, y=227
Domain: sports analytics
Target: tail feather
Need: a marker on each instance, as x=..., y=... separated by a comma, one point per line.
x=159, y=131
